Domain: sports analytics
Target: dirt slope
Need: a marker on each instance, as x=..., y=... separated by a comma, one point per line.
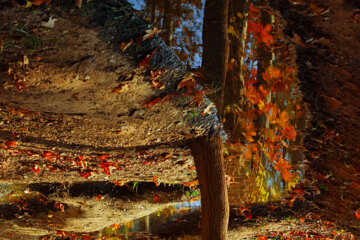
x=73, y=104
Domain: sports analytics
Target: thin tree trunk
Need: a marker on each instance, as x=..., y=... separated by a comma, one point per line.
x=207, y=152
x=235, y=83
x=168, y=19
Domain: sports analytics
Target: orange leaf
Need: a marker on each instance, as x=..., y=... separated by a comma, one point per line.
x=99, y=197
x=103, y=157
x=265, y=34
x=39, y=2
x=357, y=214
x=284, y=168
x=10, y=144
x=158, y=100
x=188, y=82
x=125, y=45
x=155, y=180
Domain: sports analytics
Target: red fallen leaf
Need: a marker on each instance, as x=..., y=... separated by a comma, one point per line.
x=115, y=226
x=85, y=174
x=10, y=144
x=85, y=237
x=36, y=168
x=48, y=155
x=60, y=206
x=39, y=2
x=103, y=157
x=188, y=82
x=357, y=214
x=20, y=86
x=99, y=197
x=105, y=166
x=156, y=198
x=155, y=180
x=147, y=59
x=14, y=135
x=155, y=75
x=158, y=100
x=61, y=233
x=197, y=98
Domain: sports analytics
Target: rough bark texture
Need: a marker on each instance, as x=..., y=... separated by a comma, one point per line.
x=207, y=152
x=329, y=71
x=216, y=46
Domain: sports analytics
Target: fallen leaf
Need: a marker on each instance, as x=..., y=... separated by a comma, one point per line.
x=147, y=59
x=207, y=109
x=297, y=40
x=50, y=23
x=10, y=144
x=125, y=45
x=188, y=82
x=118, y=88
x=150, y=33
x=316, y=9
x=155, y=180
x=103, y=157
x=26, y=60
x=158, y=100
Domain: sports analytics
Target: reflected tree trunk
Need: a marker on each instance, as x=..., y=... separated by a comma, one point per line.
x=216, y=47
x=168, y=20
x=235, y=81
x=207, y=151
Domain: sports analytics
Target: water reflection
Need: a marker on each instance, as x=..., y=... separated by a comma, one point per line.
x=262, y=108
x=183, y=23
x=151, y=223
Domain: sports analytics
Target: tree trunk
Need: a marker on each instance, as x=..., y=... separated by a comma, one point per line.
x=235, y=82
x=216, y=47
x=207, y=152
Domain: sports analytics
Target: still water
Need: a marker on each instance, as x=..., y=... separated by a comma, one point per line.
x=263, y=113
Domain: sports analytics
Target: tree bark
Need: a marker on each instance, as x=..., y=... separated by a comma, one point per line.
x=207, y=152
x=216, y=46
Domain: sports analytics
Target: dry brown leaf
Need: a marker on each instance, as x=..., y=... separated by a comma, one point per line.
x=50, y=23
x=150, y=33
x=119, y=88
x=297, y=40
